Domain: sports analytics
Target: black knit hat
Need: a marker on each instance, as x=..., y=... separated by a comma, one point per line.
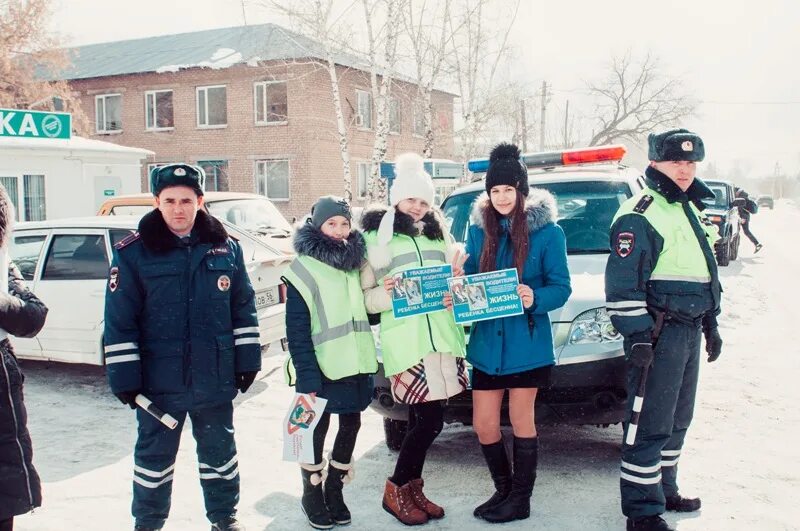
x=505, y=167
x=676, y=144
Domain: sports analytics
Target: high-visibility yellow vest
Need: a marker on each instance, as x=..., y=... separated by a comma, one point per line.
x=340, y=331
x=404, y=342
x=681, y=258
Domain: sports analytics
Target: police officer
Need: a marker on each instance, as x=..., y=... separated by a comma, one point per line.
x=662, y=291
x=181, y=329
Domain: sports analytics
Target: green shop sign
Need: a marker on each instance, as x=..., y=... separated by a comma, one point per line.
x=35, y=124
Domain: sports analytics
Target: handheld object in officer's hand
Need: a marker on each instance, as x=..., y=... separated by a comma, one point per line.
x=636, y=410
x=165, y=418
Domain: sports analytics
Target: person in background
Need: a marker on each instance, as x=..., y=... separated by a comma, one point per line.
x=513, y=226
x=423, y=355
x=22, y=314
x=181, y=328
x=750, y=207
x=332, y=349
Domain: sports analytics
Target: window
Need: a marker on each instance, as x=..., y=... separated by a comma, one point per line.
x=272, y=179
x=362, y=174
x=216, y=175
x=76, y=257
x=212, y=106
x=363, y=109
x=271, y=102
x=394, y=115
x=108, y=113
x=117, y=235
x=32, y=198
x=25, y=253
x=158, y=110
x=419, y=121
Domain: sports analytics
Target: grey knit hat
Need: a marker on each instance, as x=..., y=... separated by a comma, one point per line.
x=328, y=206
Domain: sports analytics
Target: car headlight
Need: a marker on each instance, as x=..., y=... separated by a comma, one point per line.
x=593, y=326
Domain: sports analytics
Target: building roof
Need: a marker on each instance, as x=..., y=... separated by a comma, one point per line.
x=216, y=48
x=76, y=143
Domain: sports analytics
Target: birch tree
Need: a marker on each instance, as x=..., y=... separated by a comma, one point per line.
x=29, y=56
x=635, y=98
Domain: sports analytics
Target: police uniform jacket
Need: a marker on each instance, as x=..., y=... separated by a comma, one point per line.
x=180, y=317
x=634, y=294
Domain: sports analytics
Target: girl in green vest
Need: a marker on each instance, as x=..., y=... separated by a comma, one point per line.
x=422, y=354
x=331, y=347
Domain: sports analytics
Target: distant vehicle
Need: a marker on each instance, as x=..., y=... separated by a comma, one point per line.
x=588, y=384
x=251, y=212
x=65, y=262
x=723, y=211
x=766, y=200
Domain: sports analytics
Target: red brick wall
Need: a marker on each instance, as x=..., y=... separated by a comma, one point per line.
x=308, y=140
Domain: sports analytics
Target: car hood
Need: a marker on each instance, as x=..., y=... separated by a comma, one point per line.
x=587, y=276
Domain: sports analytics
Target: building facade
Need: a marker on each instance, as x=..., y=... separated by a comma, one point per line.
x=256, y=125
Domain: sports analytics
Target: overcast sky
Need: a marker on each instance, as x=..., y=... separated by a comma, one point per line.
x=739, y=58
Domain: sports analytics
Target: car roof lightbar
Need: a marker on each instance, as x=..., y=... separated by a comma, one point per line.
x=607, y=153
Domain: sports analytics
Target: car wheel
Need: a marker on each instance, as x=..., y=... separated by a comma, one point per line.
x=395, y=432
x=724, y=253
x=735, y=248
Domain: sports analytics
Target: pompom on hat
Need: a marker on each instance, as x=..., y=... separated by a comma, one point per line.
x=410, y=181
x=505, y=168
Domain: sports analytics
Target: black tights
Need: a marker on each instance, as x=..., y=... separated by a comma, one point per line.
x=7, y=525
x=345, y=443
x=750, y=236
x=425, y=422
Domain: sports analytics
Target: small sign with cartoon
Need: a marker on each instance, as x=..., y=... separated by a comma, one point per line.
x=298, y=427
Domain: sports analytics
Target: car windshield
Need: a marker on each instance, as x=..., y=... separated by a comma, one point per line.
x=585, y=211
x=130, y=210
x=720, y=196
x=257, y=215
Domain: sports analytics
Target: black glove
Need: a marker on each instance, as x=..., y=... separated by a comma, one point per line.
x=245, y=379
x=128, y=397
x=641, y=355
x=713, y=343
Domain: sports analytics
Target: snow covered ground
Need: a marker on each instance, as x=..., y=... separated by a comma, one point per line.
x=741, y=454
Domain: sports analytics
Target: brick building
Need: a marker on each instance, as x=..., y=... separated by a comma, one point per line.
x=252, y=105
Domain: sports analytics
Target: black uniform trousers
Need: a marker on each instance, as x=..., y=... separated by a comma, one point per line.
x=154, y=464
x=649, y=467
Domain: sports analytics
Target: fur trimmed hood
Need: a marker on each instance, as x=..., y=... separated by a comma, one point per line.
x=431, y=225
x=540, y=207
x=6, y=217
x=157, y=237
x=345, y=256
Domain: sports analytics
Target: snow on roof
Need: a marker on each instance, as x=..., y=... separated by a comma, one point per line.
x=76, y=143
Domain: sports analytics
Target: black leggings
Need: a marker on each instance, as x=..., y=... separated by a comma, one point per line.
x=425, y=422
x=746, y=229
x=345, y=443
x=7, y=525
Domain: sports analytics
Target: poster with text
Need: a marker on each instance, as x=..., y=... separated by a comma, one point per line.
x=485, y=296
x=420, y=290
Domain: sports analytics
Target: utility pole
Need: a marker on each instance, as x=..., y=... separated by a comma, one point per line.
x=524, y=125
x=566, y=127
x=544, y=110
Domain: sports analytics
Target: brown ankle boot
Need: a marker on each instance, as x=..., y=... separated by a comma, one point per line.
x=398, y=502
x=431, y=509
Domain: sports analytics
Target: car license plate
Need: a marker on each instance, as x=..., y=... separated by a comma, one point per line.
x=267, y=297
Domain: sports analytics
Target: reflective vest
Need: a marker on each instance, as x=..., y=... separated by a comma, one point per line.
x=681, y=258
x=404, y=342
x=340, y=331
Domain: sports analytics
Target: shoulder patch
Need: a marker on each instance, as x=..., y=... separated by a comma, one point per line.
x=624, y=244
x=643, y=204
x=127, y=241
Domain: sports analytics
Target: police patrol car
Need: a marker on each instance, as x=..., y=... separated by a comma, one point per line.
x=588, y=385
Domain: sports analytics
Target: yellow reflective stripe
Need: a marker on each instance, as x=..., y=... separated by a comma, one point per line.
x=680, y=278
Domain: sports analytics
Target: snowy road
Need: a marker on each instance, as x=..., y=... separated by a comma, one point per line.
x=741, y=454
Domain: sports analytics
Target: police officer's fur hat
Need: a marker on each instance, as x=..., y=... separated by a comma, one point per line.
x=675, y=144
x=177, y=175
x=506, y=168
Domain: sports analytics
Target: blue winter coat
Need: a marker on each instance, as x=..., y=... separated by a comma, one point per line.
x=351, y=394
x=522, y=342
x=180, y=319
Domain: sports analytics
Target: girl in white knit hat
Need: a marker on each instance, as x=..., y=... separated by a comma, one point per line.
x=423, y=355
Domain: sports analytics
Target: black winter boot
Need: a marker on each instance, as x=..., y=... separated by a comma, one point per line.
x=500, y=469
x=648, y=523
x=680, y=504
x=313, y=500
x=229, y=523
x=517, y=505
x=338, y=475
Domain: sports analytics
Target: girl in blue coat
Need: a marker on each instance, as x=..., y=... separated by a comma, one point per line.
x=514, y=228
